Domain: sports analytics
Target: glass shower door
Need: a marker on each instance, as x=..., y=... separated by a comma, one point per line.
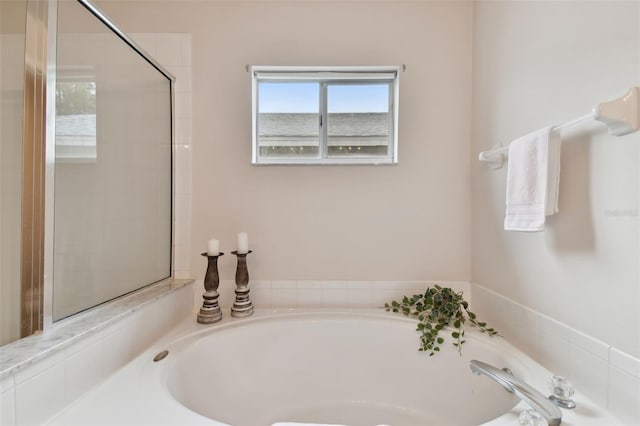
x=86, y=155
x=112, y=226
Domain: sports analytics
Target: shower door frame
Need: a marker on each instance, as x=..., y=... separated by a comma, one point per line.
x=38, y=156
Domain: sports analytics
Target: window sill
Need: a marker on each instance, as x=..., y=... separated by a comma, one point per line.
x=326, y=162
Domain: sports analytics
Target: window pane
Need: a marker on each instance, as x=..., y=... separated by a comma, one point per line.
x=358, y=122
x=289, y=119
x=75, y=117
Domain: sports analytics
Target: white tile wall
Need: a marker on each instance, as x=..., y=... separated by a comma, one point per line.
x=6, y=384
x=524, y=325
x=260, y=293
x=624, y=386
x=317, y=293
x=553, y=345
x=608, y=376
x=588, y=365
x=119, y=340
x=7, y=411
x=40, y=391
x=173, y=51
x=7, y=404
x=34, y=394
x=85, y=365
x=359, y=293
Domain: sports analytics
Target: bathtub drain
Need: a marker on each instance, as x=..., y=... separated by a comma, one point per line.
x=162, y=355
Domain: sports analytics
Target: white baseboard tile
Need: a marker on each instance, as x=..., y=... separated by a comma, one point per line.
x=39, y=397
x=589, y=365
x=272, y=294
x=309, y=297
x=360, y=294
x=85, y=365
x=7, y=413
x=494, y=310
x=624, y=387
x=283, y=298
x=7, y=402
x=553, y=345
x=6, y=384
x=609, y=377
x=523, y=332
x=589, y=373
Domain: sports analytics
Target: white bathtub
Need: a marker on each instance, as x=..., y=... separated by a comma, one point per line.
x=351, y=368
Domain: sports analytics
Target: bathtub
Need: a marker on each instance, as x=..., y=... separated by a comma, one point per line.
x=322, y=367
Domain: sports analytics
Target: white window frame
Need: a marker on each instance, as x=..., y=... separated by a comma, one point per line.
x=329, y=76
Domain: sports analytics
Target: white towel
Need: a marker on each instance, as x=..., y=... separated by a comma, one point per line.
x=533, y=176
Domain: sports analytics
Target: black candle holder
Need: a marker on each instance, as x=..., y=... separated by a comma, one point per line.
x=242, y=306
x=210, y=311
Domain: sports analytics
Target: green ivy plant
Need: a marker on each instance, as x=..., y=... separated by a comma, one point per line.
x=435, y=310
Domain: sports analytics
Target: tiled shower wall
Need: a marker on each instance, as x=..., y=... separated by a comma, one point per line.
x=173, y=51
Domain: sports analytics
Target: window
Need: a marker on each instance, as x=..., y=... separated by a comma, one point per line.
x=76, y=115
x=327, y=115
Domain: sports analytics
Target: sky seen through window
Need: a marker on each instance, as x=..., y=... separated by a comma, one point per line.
x=304, y=98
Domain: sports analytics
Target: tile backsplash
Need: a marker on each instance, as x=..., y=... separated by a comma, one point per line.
x=608, y=376
x=319, y=293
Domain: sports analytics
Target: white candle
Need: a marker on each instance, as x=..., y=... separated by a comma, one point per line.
x=213, y=248
x=243, y=243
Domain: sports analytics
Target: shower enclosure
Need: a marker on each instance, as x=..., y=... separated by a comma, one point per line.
x=86, y=155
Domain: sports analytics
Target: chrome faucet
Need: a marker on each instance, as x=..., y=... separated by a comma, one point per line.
x=535, y=399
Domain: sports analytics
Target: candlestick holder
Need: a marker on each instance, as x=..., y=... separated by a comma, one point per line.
x=242, y=306
x=210, y=311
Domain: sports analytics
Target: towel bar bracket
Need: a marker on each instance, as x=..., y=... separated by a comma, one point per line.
x=622, y=115
x=495, y=161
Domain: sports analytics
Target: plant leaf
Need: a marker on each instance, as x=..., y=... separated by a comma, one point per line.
x=438, y=307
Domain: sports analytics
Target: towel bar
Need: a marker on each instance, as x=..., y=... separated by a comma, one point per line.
x=620, y=115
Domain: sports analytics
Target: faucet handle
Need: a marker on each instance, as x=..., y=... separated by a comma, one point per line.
x=562, y=392
x=532, y=418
